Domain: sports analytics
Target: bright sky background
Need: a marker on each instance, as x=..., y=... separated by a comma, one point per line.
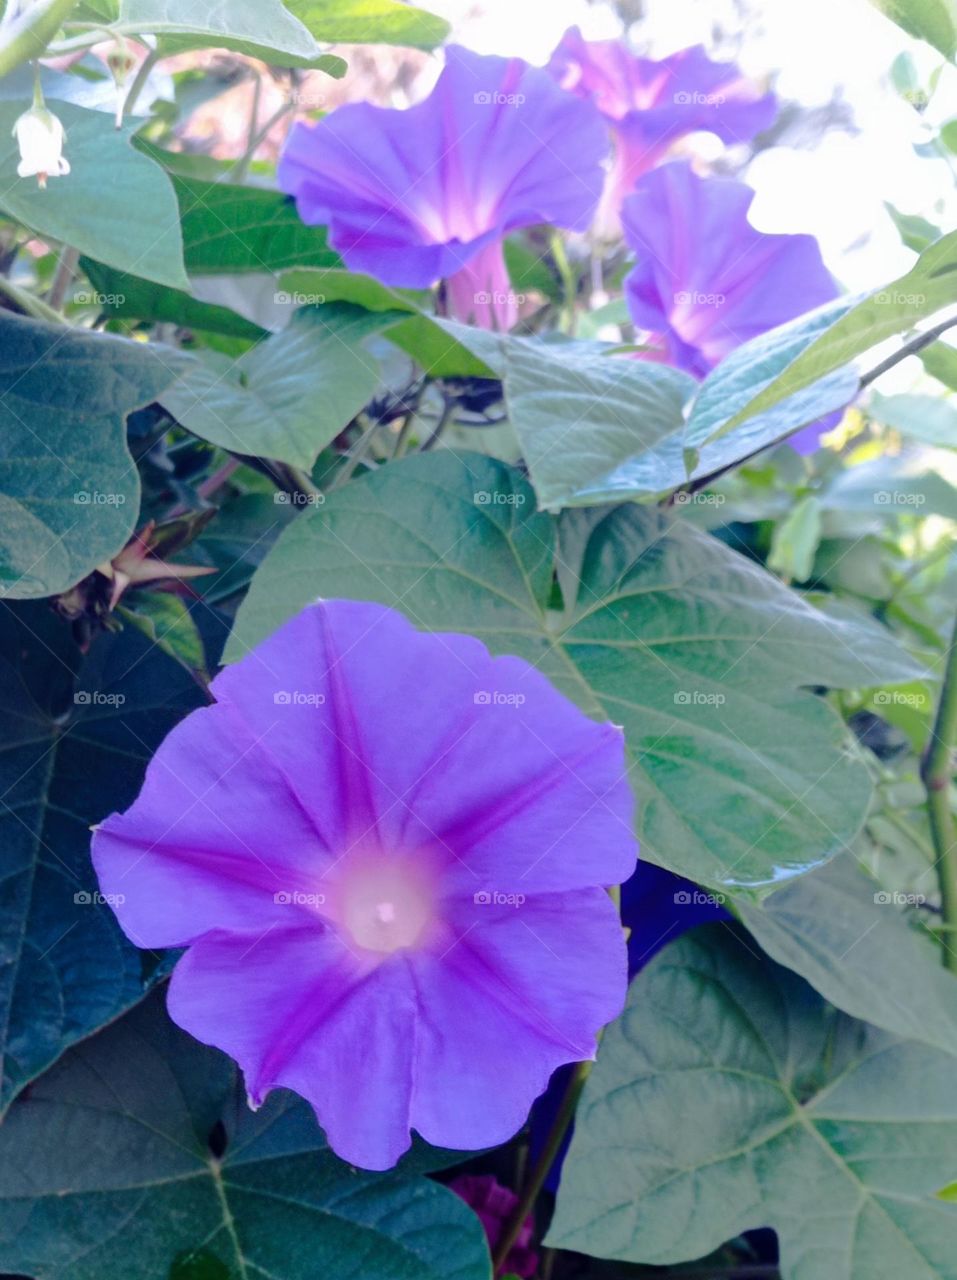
x=836, y=191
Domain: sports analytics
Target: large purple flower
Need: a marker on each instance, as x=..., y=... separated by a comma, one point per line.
x=428, y=193
x=706, y=280
x=652, y=104
x=385, y=852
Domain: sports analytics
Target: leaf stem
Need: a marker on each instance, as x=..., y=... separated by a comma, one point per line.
x=937, y=775
x=536, y=1179
x=139, y=82
x=910, y=348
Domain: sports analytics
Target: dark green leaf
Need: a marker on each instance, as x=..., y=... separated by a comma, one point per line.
x=69, y=492
x=108, y=1164
x=77, y=736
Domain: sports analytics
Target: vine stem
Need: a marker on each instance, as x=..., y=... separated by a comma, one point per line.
x=937, y=773
x=536, y=1179
x=28, y=35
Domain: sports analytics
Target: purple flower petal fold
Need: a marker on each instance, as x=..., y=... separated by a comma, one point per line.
x=386, y=852
x=415, y=196
x=651, y=104
x=706, y=280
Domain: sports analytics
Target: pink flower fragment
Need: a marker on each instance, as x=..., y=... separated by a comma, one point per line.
x=385, y=852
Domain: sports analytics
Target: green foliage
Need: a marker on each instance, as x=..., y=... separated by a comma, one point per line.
x=121, y=1147
x=790, y=1116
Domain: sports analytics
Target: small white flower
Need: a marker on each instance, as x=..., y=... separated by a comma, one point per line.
x=40, y=137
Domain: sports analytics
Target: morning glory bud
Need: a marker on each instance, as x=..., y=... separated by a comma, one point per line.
x=40, y=137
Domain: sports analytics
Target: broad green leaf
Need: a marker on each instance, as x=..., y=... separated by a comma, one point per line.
x=259, y=28
x=847, y=936
x=77, y=734
x=721, y=414
x=743, y=776
x=926, y=418
x=594, y=425
x=446, y=349
x=287, y=397
x=314, y=287
x=932, y=20
x=229, y=229
x=116, y=205
x=116, y=1160
x=929, y=287
x=238, y=539
x=729, y=1097
x=69, y=491
x=370, y=22
x=117, y=293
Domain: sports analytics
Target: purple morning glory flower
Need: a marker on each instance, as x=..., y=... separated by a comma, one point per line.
x=385, y=852
x=706, y=280
x=494, y=1205
x=651, y=104
x=428, y=193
